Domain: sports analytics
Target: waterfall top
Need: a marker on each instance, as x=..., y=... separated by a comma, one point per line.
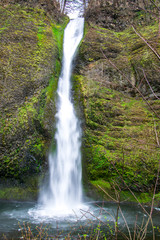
x=74, y=8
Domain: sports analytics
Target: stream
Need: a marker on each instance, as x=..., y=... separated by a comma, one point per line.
x=17, y=218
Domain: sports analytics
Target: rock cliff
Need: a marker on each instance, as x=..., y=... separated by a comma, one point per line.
x=30, y=53
x=116, y=89
x=119, y=77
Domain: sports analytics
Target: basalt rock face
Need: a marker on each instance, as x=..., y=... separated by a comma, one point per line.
x=117, y=15
x=127, y=33
x=118, y=71
x=29, y=69
x=124, y=60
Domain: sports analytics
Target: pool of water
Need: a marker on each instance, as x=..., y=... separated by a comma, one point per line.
x=22, y=219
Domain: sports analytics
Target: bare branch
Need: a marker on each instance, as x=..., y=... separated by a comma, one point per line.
x=129, y=232
x=144, y=40
x=108, y=194
x=131, y=84
x=155, y=4
x=145, y=77
x=155, y=130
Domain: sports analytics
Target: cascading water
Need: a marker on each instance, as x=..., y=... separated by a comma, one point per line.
x=65, y=190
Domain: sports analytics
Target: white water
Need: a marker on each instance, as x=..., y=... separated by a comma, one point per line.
x=73, y=8
x=64, y=192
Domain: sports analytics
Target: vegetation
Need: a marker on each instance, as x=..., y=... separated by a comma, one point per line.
x=120, y=143
x=31, y=49
x=116, y=92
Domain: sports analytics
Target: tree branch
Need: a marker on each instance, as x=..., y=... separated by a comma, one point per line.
x=144, y=40
x=131, y=84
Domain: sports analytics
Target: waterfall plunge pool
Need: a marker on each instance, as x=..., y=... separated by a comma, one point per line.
x=24, y=219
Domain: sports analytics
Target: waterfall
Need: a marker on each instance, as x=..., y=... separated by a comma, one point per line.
x=64, y=191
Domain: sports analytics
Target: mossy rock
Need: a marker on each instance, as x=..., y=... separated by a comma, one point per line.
x=119, y=138
x=31, y=50
x=119, y=142
x=109, y=191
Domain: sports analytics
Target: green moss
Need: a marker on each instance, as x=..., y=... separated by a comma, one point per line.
x=144, y=198
x=18, y=194
x=119, y=138
x=107, y=191
x=58, y=31
x=119, y=144
x=102, y=184
x=30, y=66
x=23, y=192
